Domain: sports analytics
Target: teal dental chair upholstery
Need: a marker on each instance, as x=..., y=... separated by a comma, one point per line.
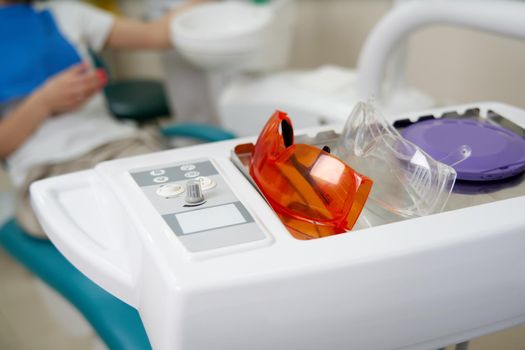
x=139, y=100
x=117, y=323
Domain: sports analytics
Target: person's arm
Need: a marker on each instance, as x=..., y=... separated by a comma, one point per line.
x=134, y=34
x=64, y=92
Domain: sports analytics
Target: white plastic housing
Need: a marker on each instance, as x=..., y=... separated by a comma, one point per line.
x=422, y=283
x=221, y=36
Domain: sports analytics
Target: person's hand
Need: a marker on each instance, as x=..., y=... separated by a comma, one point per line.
x=71, y=88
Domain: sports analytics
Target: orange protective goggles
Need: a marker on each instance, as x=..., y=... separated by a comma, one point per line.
x=314, y=193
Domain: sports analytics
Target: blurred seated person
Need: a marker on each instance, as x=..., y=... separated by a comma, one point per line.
x=53, y=117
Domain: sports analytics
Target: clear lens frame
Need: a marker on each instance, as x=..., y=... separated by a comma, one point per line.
x=407, y=181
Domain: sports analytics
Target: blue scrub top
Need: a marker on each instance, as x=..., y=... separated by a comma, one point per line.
x=32, y=50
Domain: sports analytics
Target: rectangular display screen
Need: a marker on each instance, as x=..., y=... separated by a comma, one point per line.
x=210, y=218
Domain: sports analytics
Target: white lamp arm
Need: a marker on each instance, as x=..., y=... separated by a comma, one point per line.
x=504, y=17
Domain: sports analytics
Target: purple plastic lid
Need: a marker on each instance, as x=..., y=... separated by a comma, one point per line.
x=497, y=153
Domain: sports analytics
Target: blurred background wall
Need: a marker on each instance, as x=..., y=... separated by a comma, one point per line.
x=453, y=65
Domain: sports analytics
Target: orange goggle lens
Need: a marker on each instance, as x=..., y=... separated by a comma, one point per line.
x=314, y=193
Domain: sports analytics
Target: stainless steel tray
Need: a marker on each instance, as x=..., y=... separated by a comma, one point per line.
x=465, y=193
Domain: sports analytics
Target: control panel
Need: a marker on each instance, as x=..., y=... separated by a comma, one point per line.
x=198, y=205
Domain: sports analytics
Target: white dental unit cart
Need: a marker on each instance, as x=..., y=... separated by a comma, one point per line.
x=222, y=272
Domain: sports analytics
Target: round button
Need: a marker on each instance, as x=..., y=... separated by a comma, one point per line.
x=187, y=167
x=170, y=190
x=157, y=172
x=191, y=174
x=160, y=179
x=206, y=183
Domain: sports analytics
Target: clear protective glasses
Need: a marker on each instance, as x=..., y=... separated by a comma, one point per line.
x=407, y=181
x=314, y=193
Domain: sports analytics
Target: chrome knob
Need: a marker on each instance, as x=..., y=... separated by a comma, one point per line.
x=194, y=193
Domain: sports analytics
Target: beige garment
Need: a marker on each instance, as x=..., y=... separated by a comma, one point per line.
x=145, y=141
